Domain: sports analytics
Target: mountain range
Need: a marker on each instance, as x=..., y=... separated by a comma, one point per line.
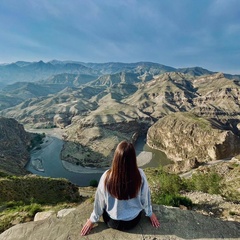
x=21, y=80
x=99, y=104
x=34, y=71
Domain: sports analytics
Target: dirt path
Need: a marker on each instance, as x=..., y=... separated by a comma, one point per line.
x=211, y=163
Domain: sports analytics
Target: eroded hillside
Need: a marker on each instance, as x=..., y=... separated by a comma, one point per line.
x=124, y=100
x=14, y=141
x=185, y=137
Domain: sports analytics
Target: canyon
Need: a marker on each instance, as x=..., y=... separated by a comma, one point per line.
x=98, y=105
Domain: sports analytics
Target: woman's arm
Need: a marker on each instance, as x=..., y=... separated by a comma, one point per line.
x=146, y=201
x=145, y=195
x=96, y=213
x=154, y=221
x=99, y=204
x=87, y=228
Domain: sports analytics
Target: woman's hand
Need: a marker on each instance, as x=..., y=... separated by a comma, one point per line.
x=154, y=221
x=87, y=228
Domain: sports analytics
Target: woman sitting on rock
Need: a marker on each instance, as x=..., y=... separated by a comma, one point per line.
x=122, y=193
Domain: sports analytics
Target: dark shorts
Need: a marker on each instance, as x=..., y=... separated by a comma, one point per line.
x=119, y=224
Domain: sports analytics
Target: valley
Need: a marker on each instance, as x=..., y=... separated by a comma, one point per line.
x=52, y=165
x=46, y=159
x=192, y=115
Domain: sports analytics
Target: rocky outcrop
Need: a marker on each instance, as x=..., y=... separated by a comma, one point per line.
x=176, y=224
x=186, y=137
x=14, y=141
x=165, y=93
x=218, y=97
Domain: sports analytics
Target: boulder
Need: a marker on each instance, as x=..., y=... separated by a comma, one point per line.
x=43, y=215
x=64, y=212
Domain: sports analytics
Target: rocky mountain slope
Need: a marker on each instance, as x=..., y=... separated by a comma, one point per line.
x=189, y=140
x=166, y=93
x=212, y=96
x=123, y=102
x=14, y=141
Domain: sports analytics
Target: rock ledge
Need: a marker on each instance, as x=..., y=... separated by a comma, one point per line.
x=175, y=224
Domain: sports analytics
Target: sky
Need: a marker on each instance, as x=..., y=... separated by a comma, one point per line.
x=176, y=33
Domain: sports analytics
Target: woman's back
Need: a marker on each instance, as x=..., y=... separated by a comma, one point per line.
x=127, y=209
x=123, y=180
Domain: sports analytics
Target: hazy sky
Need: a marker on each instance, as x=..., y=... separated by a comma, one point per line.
x=177, y=33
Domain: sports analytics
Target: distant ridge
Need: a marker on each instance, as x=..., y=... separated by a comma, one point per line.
x=195, y=71
x=35, y=71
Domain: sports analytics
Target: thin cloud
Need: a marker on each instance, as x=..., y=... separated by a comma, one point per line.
x=175, y=33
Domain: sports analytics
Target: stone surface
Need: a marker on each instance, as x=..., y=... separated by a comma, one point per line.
x=175, y=224
x=42, y=215
x=65, y=212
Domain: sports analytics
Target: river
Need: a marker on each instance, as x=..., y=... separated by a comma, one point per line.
x=158, y=157
x=46, y=161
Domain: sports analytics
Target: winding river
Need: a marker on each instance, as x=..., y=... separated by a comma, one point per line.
x=46, y=161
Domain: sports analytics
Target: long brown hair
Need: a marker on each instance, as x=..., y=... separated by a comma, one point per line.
x=123, y=180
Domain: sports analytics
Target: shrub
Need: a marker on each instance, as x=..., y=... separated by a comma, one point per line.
x=93, y=183
x=173, y=200
x=36, y=141
x=232, y=213
x=33, y=209
x=165, y=183
x=205, y=182
x=166, y=188
x=17, y=211
x=14, y=204
x=5, y=223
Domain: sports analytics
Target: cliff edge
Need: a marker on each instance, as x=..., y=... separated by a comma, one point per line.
x=175, y=224
x=14, y=141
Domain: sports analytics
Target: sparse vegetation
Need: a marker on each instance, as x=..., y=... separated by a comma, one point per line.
x=14, y=212
x=232, y=213
x=41, y=190
x=166, y=188
x=22, y=197
x=210, y=182
x=36, y=141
